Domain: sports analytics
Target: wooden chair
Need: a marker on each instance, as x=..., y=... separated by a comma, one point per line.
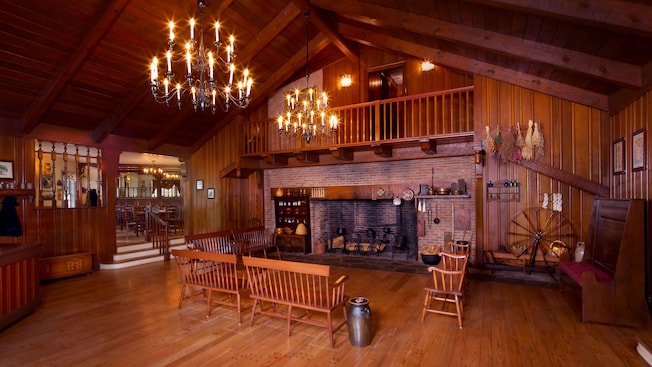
x=130, y=220
x=448, y=278
x=459, y=248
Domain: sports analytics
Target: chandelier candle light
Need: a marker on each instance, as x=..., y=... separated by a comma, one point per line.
x=199, y=68
x=306, y=110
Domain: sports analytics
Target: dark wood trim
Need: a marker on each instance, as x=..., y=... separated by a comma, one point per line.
x=568, y=178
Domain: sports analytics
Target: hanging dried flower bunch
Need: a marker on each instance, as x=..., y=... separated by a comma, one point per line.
x=498, y=139
x=537, y=141
x=513, y=146
x=507, y=146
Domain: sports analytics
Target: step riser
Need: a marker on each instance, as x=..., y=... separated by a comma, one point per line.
x=146, y=256
x=147, y=246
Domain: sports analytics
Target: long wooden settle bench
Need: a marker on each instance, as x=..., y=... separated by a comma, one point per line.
x=238, y=241
x=609, y=282
x=210, y=272
x=293, y=285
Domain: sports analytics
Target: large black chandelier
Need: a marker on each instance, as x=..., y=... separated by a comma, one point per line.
x=306, y=111
x=204, y=75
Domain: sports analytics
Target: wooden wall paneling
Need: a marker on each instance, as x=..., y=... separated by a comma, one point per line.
x=562, y=123
x=339, y=96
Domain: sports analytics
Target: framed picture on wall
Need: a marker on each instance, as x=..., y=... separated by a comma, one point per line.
x=199, y=185
x=7, y=169
x=210, y=193
x=619, y=156
x=639, y=150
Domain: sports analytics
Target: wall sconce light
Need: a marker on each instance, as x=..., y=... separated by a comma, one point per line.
x=345, y=81
x=426, y=65
x=479, y=156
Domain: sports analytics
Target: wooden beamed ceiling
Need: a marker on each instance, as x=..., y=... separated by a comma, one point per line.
x=82, y=65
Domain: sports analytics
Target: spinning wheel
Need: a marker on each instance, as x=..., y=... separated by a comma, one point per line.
x=539, y=230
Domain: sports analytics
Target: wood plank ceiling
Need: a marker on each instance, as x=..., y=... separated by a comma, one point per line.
x=81, y=66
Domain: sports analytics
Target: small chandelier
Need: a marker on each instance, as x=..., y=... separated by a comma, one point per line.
x=306, y=110
x=200, y=65
x=153, y=170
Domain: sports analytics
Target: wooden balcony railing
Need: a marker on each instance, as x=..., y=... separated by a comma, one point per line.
x=407, y=118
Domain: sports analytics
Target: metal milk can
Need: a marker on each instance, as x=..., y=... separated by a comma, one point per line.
x=359, y=320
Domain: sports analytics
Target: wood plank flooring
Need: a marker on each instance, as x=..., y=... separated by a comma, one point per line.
x=129, y=317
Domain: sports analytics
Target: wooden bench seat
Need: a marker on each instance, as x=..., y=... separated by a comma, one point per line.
x=210, y=272
x=575, y=270
x=609, y=282
x=294, y=285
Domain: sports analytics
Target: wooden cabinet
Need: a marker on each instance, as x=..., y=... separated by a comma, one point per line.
x=19, y=282
x=290, y=212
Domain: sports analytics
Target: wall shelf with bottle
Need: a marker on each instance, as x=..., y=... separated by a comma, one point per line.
x=504, y=190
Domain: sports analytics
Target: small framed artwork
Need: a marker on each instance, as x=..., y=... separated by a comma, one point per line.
x=619, y=156
x=639, y=150
x=199, y=185
x=7, y=169
x=210, y=193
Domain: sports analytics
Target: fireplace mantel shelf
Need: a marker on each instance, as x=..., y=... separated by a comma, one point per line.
x=443, y=197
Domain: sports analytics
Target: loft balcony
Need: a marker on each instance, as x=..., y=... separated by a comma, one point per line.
x=378, y=128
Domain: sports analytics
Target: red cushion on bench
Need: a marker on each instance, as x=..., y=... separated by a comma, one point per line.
x=575, y=270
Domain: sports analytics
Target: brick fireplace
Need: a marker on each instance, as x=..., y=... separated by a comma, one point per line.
x=360, y=216
x=356, y=215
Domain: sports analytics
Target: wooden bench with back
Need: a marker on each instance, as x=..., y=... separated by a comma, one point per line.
x=211, y=272
x=609, y=283
x=216, y=242
x=255, y=239
x=295, y=285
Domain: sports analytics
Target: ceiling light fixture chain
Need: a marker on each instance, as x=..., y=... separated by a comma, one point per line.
x=306, y=110
x=199, y=63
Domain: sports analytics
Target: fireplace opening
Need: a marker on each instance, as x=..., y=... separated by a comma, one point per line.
x=368, y=222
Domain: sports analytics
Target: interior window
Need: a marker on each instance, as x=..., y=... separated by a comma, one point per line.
x=68, y=175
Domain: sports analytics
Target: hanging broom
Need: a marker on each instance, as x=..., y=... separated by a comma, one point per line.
x=537, y=141
x=489, y=141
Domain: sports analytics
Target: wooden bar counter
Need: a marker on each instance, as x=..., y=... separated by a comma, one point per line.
x=19, y=282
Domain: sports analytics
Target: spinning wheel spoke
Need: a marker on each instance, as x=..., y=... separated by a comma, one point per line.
x=540, y=228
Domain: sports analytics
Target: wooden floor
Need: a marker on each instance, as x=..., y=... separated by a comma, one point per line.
x=129, y=317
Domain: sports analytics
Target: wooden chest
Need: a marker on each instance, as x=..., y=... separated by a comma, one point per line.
x=65, y=266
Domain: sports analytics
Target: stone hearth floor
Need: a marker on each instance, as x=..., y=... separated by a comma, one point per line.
x=399, y=264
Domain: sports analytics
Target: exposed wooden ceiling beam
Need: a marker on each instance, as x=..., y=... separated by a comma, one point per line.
x=612, y=71
x=271, y=31
x=325, y=25
x=629, y=17
x=316, y=45
x=262, y=39
x=41, y=103
x=223, y=5
x=376, y=39
x=119, y=114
